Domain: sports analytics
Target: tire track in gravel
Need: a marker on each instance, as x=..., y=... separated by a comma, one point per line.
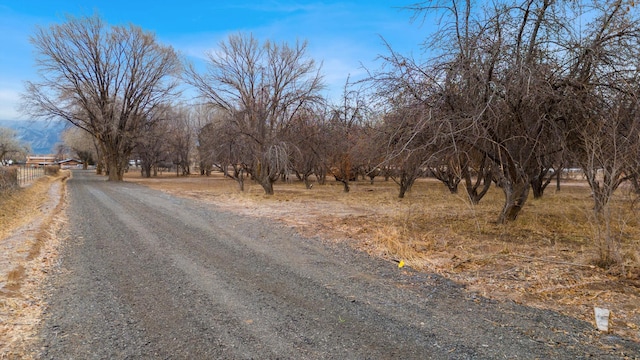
x=149, y=275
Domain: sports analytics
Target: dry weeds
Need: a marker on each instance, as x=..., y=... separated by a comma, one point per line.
x=30, y=223
x=545, y=259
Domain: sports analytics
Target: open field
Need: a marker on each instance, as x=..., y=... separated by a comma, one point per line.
x=545, y=259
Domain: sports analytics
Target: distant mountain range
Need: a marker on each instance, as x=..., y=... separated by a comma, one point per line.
x=42, y=136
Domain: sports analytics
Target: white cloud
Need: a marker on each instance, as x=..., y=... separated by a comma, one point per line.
x=336, y=38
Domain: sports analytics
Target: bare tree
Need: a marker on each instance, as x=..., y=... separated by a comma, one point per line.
x=306, y=135
x=496, y=76
x=343, y=128
x=368, y=150
x=448, y=170
x=181, y=138
x=206, y=149
x=103, y=79
x=10, y=147
x=262, y=88
x=82, y=144
x=475, y=168
x=151, y=146
x=405, y=152
x=601, y=103
x=526, y=83
x=221, y=145
x=203, y=119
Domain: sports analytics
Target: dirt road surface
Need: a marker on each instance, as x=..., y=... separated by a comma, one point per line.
x=148, y=275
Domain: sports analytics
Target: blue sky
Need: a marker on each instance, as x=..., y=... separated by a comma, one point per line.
x=342, y=35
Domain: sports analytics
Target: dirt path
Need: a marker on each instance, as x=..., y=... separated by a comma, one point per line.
x=16, y=249
x=149, y=275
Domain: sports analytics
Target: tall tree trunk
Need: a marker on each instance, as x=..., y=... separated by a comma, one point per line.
x=146, y=170
x=116, y=170
x=116, y=159
x=99, y=157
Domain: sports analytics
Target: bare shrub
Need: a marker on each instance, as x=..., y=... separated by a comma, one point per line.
x=8, y=178
x=51, y=170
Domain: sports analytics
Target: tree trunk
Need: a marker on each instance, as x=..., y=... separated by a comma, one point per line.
x=307, y=182
x=240, y=181
x=483, y=177
x=453, y=185
x=238, y=176
x=267, y=185
x=600, y=199
x=116, y=172
x=540, y=182
x=345, y=184
x=116, y=159
x=515, y=197
x=321, y=176
x=636, y=184
x=537, y=188
x=116, y=162
x=99, y=157
x=146, y=170
x=448, y=177
x=403, y=190
x=406, y=182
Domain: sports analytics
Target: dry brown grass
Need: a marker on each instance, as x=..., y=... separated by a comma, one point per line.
x=20, y=207
x=544, y=259
x=28, y=251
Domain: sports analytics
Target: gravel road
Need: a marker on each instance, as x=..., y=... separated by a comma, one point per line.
x=148, y=275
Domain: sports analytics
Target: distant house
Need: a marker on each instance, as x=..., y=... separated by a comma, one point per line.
x=41, y=160
x=70, y=163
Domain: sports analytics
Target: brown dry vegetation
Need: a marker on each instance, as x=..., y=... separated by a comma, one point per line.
x=17, y=207
x=29, y=222
x=544, y=259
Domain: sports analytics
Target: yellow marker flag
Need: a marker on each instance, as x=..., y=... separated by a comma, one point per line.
x=401, y=263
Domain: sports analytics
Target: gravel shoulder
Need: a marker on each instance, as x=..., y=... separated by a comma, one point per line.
x=148, y=275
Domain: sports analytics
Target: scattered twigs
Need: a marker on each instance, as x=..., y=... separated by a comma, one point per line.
x=571, y=286
x=553, y=261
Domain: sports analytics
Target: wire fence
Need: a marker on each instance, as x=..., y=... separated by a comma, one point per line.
x=27, y=174
x=19, y=175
